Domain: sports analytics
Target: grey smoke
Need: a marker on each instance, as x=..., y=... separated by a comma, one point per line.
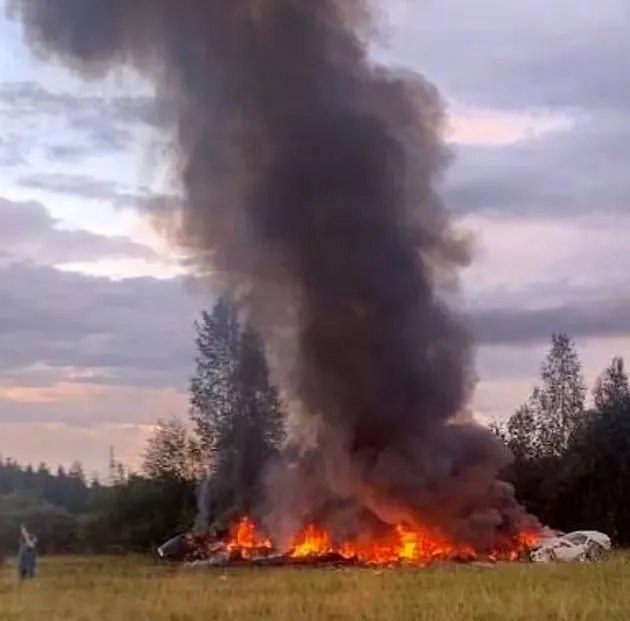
x=308, y=173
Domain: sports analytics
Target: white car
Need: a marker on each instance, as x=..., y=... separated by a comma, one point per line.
x=577, y=546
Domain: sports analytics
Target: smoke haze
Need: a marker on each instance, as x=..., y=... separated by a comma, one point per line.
x=307, y=176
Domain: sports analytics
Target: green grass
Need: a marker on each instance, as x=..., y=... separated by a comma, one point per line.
x=106, y=589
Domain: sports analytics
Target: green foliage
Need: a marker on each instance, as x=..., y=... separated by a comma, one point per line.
x=173, y=452
x=238, y=426
x=56, y=528
x=611, y=392
x=519, y=437
x=236, y=410
x=571, y=465
x=557, y=407
x=136, y=514
x=48, y=503
x=139, y=514
x=218, y=336
x=598, y=462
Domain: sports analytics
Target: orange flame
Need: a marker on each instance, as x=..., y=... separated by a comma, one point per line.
x=312, y=541
x=401, y=544
x=245, y=539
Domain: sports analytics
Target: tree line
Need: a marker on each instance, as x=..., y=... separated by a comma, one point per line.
x=209, y=468
x=571, y=455
x=569, y=467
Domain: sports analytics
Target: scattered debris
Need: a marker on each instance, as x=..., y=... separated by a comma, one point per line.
x=207, y=550
x=312, y=546
x=175, y=549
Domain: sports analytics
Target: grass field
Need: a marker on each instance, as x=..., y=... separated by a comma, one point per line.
x=105, y=589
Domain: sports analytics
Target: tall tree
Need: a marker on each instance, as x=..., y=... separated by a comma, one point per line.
x=236, y=410
x=595, y=487
x=217, y=343
x=541, y=432
x=611, y=388
x=558, y=405
x=248, y=438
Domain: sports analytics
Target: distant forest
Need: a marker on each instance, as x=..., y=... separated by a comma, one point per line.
x=236, y=426
x=570, y=461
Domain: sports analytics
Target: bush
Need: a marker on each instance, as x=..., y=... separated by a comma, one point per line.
x=56, y=529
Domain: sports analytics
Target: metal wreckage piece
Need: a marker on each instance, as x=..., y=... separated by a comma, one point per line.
x=577, y=546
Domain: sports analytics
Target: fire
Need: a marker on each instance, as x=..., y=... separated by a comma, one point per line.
x=527, y=539
x=312, y=541
x=245, y=539
x=400, y=544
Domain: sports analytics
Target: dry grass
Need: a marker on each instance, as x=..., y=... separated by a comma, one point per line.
x=99, y=589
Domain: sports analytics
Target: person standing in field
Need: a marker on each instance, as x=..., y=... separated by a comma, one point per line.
x=27, y=556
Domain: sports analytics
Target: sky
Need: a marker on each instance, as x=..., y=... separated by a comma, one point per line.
x=97, y=313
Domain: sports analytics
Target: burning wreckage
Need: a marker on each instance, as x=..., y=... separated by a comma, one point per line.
x=313, y=547
x=243, y=544
x=307, y=190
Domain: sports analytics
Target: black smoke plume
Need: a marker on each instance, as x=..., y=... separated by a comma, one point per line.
x=307, y=177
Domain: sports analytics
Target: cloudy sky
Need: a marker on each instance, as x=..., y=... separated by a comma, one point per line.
x=96, y=314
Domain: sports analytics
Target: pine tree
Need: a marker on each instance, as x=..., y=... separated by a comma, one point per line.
x=542, y=433
x=236, y=411
x=596, y=479
x=76, y=472
x=611, y=389
x=217, y=350
x=247, y=439
x=42, y=477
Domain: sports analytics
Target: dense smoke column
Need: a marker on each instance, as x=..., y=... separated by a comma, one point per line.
x=307, y=177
